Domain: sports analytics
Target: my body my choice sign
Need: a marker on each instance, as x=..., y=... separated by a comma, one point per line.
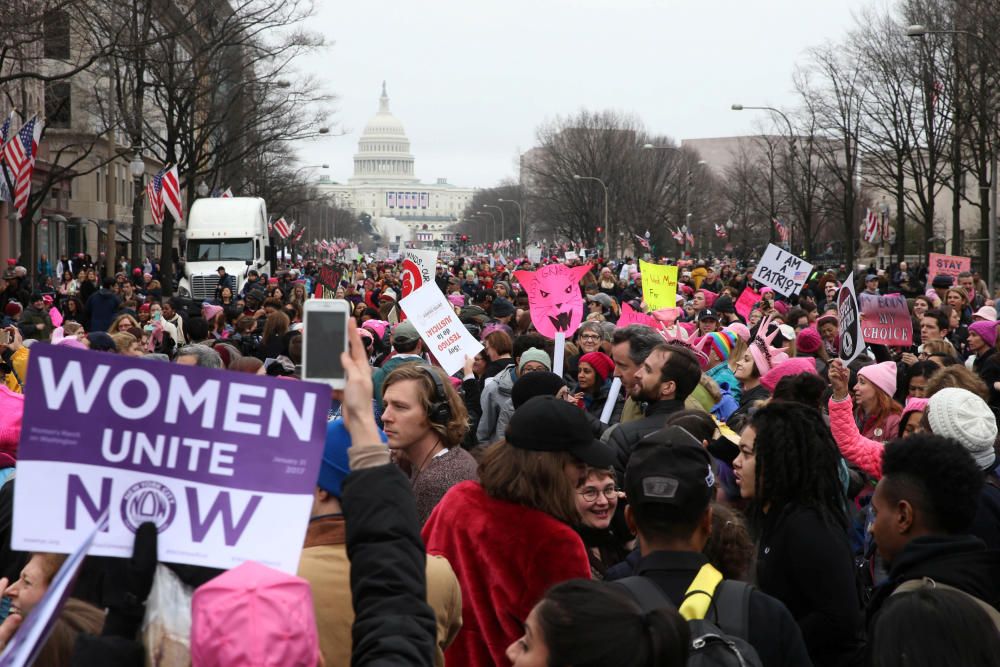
x=223, y=464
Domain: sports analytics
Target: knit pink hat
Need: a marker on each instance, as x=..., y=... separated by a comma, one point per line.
x=741, y=331
x=256, y=616
x=985, y=330
x=11, y=415
x=793, y=366
x=209, y=311
x=710, y=297
x=881, y=375
x=808, y=340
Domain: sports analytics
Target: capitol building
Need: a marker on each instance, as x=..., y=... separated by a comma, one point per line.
x=385, y=186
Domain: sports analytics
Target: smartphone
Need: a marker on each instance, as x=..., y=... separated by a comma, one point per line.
x=6, y=336
x=324, y=325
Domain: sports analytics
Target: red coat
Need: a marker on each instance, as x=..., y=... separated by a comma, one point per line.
x=505, y=557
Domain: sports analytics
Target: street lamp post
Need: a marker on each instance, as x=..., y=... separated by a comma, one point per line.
x=607, y=228
x=494, y=219
x=503, y=233
x=520, y=218
x=919, y=31
x=137, y=167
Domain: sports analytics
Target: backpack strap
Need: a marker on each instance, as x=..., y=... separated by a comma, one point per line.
x=731, y=608
x=912, y=585
x=645, y=591
x=700, y=593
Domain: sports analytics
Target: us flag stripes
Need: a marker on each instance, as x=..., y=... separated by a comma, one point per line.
x=20, y=153
x=171, y=193
x=281, y=228
x=783, y=233
x=154, y=195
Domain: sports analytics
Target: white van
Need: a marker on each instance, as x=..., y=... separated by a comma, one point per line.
x=229, y=232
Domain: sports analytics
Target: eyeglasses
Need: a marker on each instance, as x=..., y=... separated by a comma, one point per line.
x=590, y=337
x=590, y=493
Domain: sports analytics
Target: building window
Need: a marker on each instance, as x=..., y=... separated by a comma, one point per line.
x=56, y=25
x=58, y=104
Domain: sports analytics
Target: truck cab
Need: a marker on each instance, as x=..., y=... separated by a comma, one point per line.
x=230, y=232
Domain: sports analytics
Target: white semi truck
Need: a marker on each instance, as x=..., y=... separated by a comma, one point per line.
x=230, y=232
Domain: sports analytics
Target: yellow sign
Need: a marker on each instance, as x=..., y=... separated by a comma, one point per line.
x=659, y=285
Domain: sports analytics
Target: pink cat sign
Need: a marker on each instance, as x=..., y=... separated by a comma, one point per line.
x=554, y=298
x=631, y=316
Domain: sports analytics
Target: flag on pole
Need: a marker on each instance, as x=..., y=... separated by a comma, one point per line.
x=171, y=193
x=4, y=135
x=781, y=229
x=19, y=154
x=281, y=228
x=872, y=226
x=720, y=231
x=643, y=241
x=678, y=236
x=688, y=236
x=227, y=193
x=154, y=194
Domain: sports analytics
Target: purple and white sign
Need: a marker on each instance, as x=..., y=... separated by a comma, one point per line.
x=223, y=463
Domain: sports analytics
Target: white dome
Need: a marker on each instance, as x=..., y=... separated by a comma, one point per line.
x=383, y=149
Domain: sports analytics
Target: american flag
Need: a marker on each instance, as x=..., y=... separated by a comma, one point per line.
x=281, y=228
x=782, y=230
x=298, y=237
x=678, y=236
x=227, y=193
x=688, y=236
x=154, y=194
x=171, y=193
x=643, y=241
x=872, y=227
x=4, y=133
x=19, y=153
x=720, y=231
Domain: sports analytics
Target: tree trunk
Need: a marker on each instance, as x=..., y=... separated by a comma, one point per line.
x=167, y=254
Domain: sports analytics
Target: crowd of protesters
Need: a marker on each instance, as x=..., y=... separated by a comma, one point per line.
x=745, y=498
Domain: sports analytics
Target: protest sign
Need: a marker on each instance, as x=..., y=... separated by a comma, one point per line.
x=350, y=255
x=885, y=320
x=851, y=339
x=748, y=299
x=632, y=316
x=30, y=638
x=659, y=285
x=439, y=327
x=554, y=297
x=417, y=268
x=534, y=254
x=946, y=265
x=571, y=255
x=224, y=465
x=782, y=271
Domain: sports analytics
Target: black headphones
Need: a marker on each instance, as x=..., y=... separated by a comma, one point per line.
x=440, y=409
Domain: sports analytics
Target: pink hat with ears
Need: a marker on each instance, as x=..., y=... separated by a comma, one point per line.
x=275, y=607
x=741, y=331
x=710, y=297
x=764, y=354
x=881, y=375
x=792, y=366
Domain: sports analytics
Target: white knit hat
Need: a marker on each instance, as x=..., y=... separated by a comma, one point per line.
x=961, y=415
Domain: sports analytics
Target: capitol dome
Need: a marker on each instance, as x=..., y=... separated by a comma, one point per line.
x=383, y=150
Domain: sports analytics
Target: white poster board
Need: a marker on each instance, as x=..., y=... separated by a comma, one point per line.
x=534, y=254
x=439, y=327
x=782, y=271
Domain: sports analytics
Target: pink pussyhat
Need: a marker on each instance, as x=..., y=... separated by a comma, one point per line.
x=793, y=366
x=881, y=375
x=253, y=616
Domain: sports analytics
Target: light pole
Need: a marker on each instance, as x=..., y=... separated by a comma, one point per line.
x=520, y=218
x=137, y=167
x=918, y=31
x=607, y=228
x=791, y=155
x=503, y=232
x=494, y=219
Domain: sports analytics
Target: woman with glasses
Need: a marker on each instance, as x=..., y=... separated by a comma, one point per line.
x=589, y=337
x=596, y=500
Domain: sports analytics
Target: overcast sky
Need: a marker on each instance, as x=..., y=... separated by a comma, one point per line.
x=472, y=80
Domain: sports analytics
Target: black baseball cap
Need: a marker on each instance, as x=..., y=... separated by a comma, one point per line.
x=671, y=467
x=708, y=314
x=550, y=424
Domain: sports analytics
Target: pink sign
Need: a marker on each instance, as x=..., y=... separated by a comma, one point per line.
x=746, y=302
x=631, y=316
x=56, y=317
x=885, y=320
x=554, y=297
x=946, y=265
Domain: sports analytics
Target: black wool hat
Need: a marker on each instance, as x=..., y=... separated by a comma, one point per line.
x=670, y=466
x=539, y=383
x=550, y=424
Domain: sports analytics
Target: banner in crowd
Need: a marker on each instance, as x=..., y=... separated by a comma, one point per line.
x=27, y=643
x=210, y=457
x=632, y=316
x=851, y=339
x=782, y=271
x=417, y=268
x=439, y=327
x=554, y=297
x=659, y=285
x=749, y=297
x=885, y=320
x=946, y=265
x=534, y=254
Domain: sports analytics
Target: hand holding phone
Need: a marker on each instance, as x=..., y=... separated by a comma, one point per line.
x=324, y=330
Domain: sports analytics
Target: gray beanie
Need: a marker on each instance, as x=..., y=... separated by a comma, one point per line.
x=534, y=354
x=961, y=415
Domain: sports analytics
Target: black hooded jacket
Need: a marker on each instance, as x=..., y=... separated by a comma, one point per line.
x=961, y=561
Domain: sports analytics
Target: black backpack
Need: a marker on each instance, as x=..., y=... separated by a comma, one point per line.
x=719, y=639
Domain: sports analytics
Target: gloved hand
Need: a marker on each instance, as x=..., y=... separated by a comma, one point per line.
x=128, y=582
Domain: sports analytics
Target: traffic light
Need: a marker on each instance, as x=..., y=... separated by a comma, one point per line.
x=600, y=230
